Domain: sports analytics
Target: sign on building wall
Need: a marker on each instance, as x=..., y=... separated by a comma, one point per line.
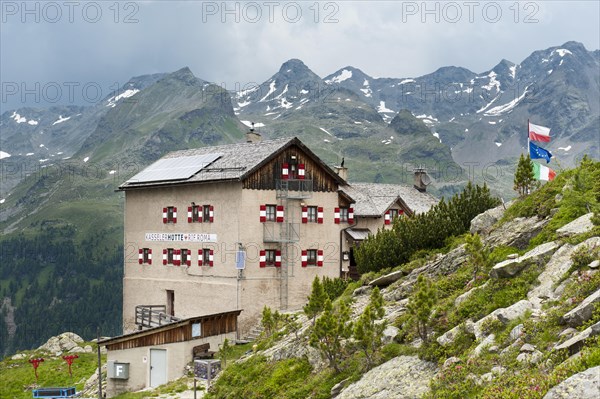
x=181, y=237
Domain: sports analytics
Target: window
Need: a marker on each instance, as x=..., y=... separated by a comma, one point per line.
x=393, y=213
x=170, y=256
x=270, y=257
x=311, y=257
x=205, y=257
x=185, y=257
x=271, y=213
x=195, y=216
x=312, y=214
x=343, y=214
x=206, y=213
x=170, y=214
x=145, y=256
x=170, y=302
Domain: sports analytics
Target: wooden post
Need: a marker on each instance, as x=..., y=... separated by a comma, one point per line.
x=99, y=365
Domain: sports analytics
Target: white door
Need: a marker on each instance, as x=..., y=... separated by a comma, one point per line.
x=158, y=367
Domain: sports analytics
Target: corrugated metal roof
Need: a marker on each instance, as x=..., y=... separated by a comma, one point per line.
x=358, y=234
x=374, y=199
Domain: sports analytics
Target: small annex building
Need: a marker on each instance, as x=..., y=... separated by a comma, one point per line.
x=156, y=355
x=247, y=225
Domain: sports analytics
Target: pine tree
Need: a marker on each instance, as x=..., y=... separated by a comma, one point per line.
x=367, y=331
x=225, y=351
x=478, y=256
x=420, y=306
x=524, y=177
x=316, y=300
x=330, y=331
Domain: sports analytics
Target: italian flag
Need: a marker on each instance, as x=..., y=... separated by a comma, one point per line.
x=539, y=133
x=542, y=172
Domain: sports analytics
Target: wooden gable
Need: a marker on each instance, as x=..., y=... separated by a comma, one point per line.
x=266, y=177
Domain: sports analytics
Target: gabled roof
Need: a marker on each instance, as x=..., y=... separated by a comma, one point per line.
x=374, y=199
x=236, y=162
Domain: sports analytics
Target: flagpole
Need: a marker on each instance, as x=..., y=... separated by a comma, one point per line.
x=528, y=136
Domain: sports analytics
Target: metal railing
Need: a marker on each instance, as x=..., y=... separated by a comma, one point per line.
x=148, y=316
x=281, y=232
x=294, y=188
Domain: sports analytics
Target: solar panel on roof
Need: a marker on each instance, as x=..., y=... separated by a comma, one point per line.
x=174, y=168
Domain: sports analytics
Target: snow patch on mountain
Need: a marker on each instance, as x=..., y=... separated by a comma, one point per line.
x=86, y=159
x=367, y=89
x=382, y=107
x=493, y=82
x=513, y=71
x=272, y=89
x=112, y=102
x=4, y=155
x=18, y=118
x=327, y=132
x=344, y=75
x=32, y=122
x=499, y=110
x=498, y=144
x=406, y=81
x=566, y=149
x=562, y=52
x=60, y=120
x=437, y=136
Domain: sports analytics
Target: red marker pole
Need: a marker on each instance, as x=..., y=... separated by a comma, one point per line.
x=35, y=363
x=69, y=359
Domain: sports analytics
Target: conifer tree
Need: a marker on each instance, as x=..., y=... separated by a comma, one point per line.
x=330, y=331
x=316, y=300
x=367, y=331
x=524, y=176
x=420, y=306
x=478, y=256
x=225, y=351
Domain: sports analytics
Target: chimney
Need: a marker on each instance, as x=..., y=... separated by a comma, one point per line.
x=341, y=170
x=422, y=179
x=252, y=136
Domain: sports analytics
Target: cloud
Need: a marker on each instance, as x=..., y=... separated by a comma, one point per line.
x=244, y=42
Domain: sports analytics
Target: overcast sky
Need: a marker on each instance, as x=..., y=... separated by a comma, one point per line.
x=52, y=51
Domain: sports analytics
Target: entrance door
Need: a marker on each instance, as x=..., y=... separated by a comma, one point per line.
x=158, y=367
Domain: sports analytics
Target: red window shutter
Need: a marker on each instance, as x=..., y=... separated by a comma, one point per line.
x=277, y=258
x=164, y=256
x=175, y=215
x=304, y=214
x=304, y=258
x=320, y=257
x=351, y=215
x=263, y=213
x=178, y=257
x=164, y=215
x=189, y=214
x=336, y=215
x=140, y=256
x=301, y=171
x=210, y=258
x=200, y=256
x=263, y=259
x=401, y=212
x=285, y=171
x=188, y=261
x=387, y=218
x=211, y=211
x=150, y=256
x=320, y=215
x=279, y=213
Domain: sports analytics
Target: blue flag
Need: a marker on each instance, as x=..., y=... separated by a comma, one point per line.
x=536, y=152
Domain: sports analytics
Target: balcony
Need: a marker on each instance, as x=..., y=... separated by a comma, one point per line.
x=281, y=232
x=294, y=188
x=148, y=316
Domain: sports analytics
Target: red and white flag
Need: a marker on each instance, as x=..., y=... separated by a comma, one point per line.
x=539, y=133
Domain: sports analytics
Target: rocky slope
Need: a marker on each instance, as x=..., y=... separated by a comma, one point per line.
x=528, y=328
